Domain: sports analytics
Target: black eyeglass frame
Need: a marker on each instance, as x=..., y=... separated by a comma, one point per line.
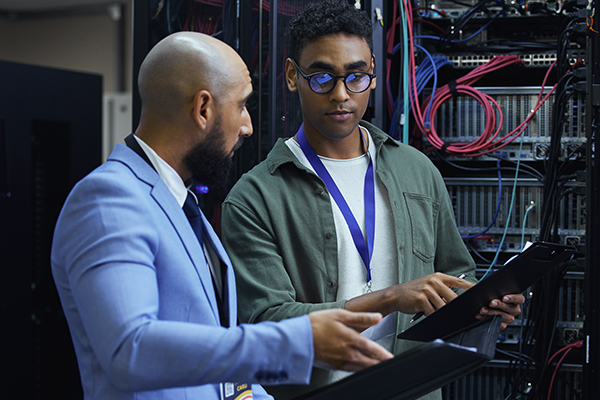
x=336, y=77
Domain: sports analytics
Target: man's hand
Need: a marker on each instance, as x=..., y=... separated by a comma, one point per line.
x=338, y=344
x=509, y=307
x=426, y=294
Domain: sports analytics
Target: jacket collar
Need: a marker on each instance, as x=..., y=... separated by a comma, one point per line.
x=159, y=191
x=281, y=154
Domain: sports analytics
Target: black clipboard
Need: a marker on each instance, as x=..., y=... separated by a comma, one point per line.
x=419, y=370
x=514, y=277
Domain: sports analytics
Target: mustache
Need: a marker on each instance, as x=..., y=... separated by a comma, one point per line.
x=238, y=144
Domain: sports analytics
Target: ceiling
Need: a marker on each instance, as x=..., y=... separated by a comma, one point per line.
x=49, y=5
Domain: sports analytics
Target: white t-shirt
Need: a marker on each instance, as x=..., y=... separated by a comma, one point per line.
x=349, y=176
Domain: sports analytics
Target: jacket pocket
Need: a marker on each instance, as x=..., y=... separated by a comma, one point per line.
x=422, y=211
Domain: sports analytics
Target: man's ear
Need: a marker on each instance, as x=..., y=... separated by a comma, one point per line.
x=374, y=80
x=290, y=75
x=203, y=109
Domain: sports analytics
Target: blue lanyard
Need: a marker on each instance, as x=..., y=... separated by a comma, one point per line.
x=364, y=249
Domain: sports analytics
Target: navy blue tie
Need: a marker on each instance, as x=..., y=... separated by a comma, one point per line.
x=192, y=212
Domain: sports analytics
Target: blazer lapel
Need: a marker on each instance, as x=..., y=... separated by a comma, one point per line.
x=136, y=159
x=144, y=171
x=165, y=199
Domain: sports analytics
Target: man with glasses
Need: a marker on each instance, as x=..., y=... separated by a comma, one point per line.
x=341, y=215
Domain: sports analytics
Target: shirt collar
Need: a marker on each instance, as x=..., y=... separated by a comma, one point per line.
x=280, y=154
x=171, y=178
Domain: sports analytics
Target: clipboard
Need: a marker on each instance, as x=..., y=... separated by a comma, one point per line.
x=514, y=277
x=419, y=370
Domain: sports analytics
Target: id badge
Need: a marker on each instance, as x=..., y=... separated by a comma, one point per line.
x=236, y=391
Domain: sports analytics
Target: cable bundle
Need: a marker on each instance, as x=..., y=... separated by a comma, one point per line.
x=449, y=37
x=555, y=180
x=540, y=330
x=527, y=379
x=489, y=140
x=409, y=89
x=423, y=74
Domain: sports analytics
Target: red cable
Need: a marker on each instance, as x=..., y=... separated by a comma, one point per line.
x=390, y=47
x=577, y=344
x=567, y=349
x=413, y=95
x=487, y=142
x=523, y=125
x=556, y=370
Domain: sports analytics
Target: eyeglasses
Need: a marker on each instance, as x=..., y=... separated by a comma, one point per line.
x=324, y=82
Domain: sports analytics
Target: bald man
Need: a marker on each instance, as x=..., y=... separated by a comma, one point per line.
x=149, y=294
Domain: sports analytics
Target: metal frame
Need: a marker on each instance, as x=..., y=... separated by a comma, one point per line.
x=591, y=366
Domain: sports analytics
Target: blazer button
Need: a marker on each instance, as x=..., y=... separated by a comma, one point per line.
x=259, y=376
x=333, y=284
x=272, y=377
x=329, y=235
x=283, y=376
x=319, y=190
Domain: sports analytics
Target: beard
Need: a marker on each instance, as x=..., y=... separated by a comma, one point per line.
x=208, y=161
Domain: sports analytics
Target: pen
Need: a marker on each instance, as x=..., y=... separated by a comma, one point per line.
x=421, y=313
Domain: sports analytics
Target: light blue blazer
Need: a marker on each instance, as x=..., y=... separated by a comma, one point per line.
x=140, y=302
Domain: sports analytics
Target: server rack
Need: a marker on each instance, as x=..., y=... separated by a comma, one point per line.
x=50, y=138
x=531, y=188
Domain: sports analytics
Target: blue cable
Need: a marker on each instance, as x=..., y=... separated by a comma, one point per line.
x=479, y=31
x=428, y=37
x=423, y=74
x=512, y=199
x=436, y=65
x=406, y=76
x=169, y=17
x=529, y=208
x=497, y=206
x=500, y=14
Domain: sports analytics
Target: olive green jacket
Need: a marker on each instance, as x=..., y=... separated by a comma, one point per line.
x=278, y=229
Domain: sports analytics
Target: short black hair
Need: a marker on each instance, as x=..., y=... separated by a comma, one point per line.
x=324, y=18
